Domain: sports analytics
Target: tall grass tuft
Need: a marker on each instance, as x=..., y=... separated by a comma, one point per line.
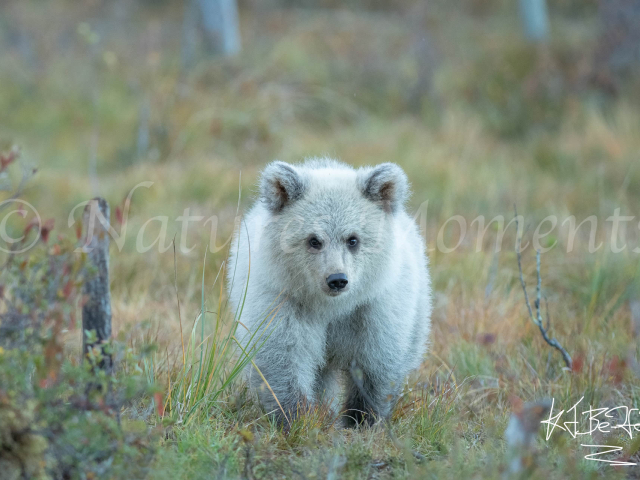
x=211, y=363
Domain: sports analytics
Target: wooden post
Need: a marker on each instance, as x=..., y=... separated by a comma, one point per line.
x=96, y=312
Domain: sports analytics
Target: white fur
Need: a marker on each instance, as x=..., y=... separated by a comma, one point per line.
x=376, y=330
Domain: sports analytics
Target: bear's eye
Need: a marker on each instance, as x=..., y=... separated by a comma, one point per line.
x=353, y=241
x=315, y=243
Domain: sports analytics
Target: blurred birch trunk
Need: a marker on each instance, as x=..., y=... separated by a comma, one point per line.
x=535, y=19
x=216, y=23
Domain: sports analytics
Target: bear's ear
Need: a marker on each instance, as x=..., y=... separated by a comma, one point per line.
x=280, y=185
x=386, y=184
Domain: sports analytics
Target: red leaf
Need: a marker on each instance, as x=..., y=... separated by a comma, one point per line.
x=577, y=363
x=120, y=210
x=45, y=229
x=68, y=288
x=615, y=369
x=516, y=404
x=159, y=403
x=7, y=158
x=49, y=380
x=32, y=224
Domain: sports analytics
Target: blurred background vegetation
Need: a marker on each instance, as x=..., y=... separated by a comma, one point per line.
x=483, y=106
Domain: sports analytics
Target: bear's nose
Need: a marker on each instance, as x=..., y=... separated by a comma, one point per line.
x=337, y=281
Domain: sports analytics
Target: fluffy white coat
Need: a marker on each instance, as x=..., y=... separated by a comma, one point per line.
x=366, y=337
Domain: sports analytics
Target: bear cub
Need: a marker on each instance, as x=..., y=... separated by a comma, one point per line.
x=331, y=277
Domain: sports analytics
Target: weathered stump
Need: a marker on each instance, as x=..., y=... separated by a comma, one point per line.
x=96, y=311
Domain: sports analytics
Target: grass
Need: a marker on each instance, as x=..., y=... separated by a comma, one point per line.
x=333, y=81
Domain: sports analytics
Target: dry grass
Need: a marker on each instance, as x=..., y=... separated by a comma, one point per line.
x=333, y=82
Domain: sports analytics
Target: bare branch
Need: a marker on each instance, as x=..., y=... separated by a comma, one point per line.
x=537, y=319
x=519, y=255
x=538, y=289
x=546, y=306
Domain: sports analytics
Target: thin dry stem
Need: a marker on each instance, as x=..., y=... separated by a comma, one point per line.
x=537, y=319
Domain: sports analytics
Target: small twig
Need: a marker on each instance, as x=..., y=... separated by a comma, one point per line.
x=175, y=282
x=519, y=255
x=546, y=306
x=537, y=319
x=554, y=343
x=538, y=288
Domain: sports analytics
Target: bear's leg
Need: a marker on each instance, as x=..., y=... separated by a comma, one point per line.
x=369, y=397
x=289, y=363
x=328, y=388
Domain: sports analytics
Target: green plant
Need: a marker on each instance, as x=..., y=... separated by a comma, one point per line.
x=211, y=363
x=60, y=417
